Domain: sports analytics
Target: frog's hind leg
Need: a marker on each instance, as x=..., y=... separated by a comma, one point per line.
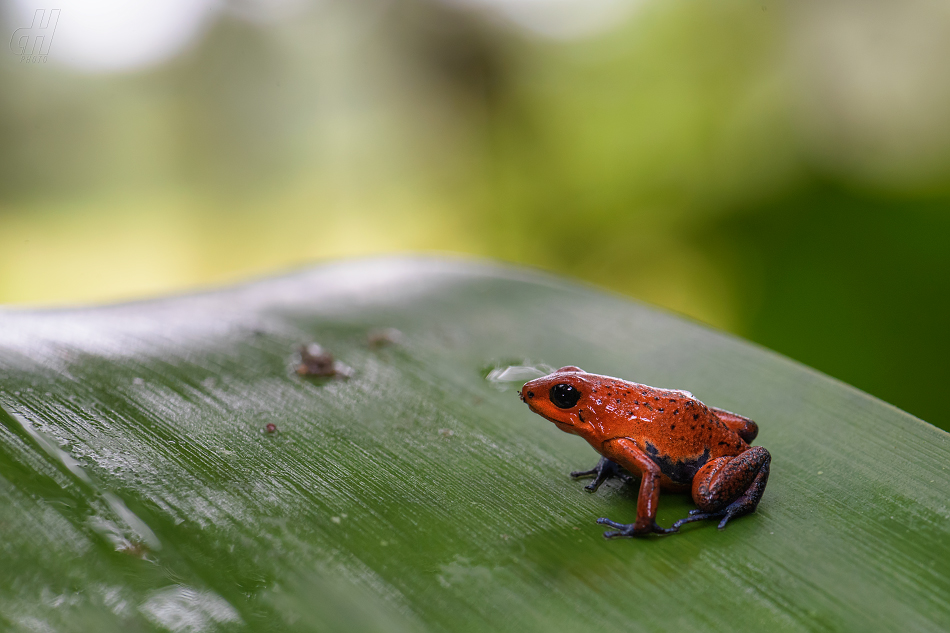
x=729, y=487
x=743, y=426
x=604, y=470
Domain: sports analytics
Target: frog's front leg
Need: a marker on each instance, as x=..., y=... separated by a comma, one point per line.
x=729, y=487
x=627, y=454
x=604, y=470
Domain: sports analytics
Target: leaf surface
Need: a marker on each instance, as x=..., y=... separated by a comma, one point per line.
x=141, y=490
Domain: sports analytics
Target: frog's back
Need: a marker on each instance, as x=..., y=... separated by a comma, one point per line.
x=678, y=432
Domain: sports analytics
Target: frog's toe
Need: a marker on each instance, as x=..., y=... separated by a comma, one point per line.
x=730, y=513
x=577, y=474
x=599, y=474
x=594, y=485
x=623, y=529
x=698, y=515
x=629, y=529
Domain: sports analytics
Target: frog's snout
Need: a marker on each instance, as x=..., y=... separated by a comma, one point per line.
x=525, y=394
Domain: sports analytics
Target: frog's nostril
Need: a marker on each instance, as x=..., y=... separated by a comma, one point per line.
x=530, y=394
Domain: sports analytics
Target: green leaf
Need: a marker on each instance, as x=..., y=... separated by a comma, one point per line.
x=140, y=489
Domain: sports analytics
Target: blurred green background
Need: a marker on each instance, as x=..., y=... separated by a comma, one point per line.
x=780, y=172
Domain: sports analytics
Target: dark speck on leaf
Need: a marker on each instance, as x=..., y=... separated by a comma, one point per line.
x=271, y=428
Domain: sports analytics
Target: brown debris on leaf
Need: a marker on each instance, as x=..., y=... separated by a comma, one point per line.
x=136, y=549
x=316, y=361
x=384, y=337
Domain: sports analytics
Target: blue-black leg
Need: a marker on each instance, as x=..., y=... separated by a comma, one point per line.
x=604, y=470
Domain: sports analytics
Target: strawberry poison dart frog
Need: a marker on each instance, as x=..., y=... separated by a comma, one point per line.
x=667, y=438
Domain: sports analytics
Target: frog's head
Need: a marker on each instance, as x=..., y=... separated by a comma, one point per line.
x=561, y=398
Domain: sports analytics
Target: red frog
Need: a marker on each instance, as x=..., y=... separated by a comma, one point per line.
x=668, y=438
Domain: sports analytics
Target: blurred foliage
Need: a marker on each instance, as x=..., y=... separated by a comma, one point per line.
x=778, y=172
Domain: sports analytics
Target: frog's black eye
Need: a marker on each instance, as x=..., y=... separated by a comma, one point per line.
x=564, y=396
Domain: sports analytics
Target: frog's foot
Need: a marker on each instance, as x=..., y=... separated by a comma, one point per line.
x=604, y=470
x=742, y=505
x=632, y=529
